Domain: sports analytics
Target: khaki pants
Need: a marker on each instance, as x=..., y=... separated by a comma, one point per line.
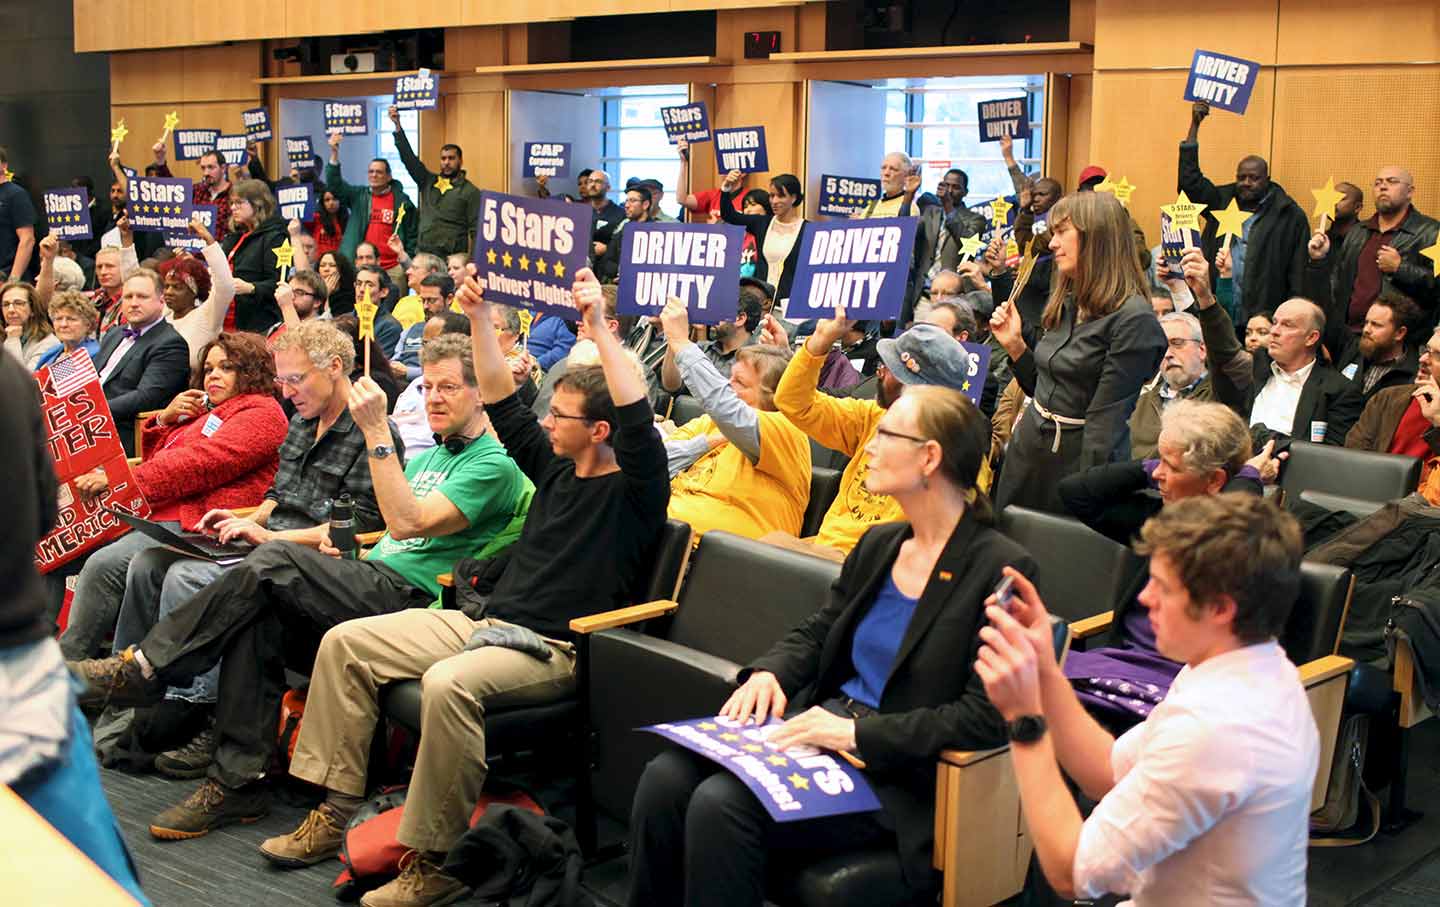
x=357, y=657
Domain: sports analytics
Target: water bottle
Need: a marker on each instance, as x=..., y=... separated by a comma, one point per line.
x=342, y=525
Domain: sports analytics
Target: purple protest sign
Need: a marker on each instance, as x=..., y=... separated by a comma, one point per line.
x=799, y=783
x=1006, y=116
x=861, y=265
x=346, y=118
x=528, y=250
x=545, y=159
x=842, y=196
x=1224, y=82
x=257, y=124
x=1173, y=243
x=184, y=239
x=67, y=211
x=688, y=122
x=298, y=150
x=741, y=149
x=191, y=143
x=699, y=264
x=296, y=201
x=420, y=91
x=974, y=384
x=232, y=149
x=159, y=204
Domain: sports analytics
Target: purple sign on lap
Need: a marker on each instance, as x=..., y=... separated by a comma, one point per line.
x=158, y=204
x=187, y=240
x=546, y=159
x=67, y=211
x=191, y=143
x=974, y=384
x=257, y=124
x=528, y=250
x=699, y=264
x=688, y=122
x=842, y=196
x=346, y=118
x=741, y=149
x=860, y=265
x=296, y=201
x=799, y=783
x=1224, y=82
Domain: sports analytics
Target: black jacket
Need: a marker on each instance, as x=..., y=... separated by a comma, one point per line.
x=1415, y=277
x=757, y=225
x=252, y=260
x=1327, y=396
x=1275, y=252
x=1344, y=346
x=514, y=857
x=30, y=513
x=154, y=370
x=933, y=699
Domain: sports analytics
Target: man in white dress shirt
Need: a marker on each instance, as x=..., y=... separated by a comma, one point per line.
x=1207, y=801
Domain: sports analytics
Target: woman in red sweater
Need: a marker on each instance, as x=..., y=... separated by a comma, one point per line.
x=216, y=446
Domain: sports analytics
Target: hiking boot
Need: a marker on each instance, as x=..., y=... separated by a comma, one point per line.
x=192, y=759
x=211, y=806
x=317, y=839
x=116, y=681
x=421, y=883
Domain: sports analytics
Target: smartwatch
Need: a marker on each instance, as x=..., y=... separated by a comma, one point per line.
x=381, y=451
x=1026, y=728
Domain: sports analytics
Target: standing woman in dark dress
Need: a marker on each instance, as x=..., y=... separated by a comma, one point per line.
x=1100, y=343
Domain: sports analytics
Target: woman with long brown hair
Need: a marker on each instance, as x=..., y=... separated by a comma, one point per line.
x=1100, y=343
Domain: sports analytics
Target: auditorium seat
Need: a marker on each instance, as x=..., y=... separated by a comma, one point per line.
x=824, y=485
x=683, y=408
x=1362, y=474
x=1081, y=572
x=1339, y=502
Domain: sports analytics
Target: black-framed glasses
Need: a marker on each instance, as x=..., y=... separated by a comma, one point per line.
x=913, y=439
x=556, y=414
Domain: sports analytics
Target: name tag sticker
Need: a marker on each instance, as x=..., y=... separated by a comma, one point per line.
x=212, y=425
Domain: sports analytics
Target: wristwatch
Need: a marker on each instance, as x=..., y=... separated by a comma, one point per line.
x=1026, y=728
x=381, y=451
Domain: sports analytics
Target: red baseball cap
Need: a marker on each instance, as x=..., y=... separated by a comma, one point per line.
x=1091, y=172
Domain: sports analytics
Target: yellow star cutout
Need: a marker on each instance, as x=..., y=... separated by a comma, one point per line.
x=117, y=135
x=490, y=256
x=541, y=267
x=777, y=761
x=1231, y=221
x=1000, y=209
x=1326, y=197
x=1012, y=248
x=799, y=782
x=970, y=246
x=1123, y=190
x=506, y=259
x=1105, y=186
x=399, y=215
x=284, y=255
x=524, y=262
x=707, y=725
x=728, y=737
x=559, y=269
x=753, y=748
x=1433, y=253
x=172, y=119
x=1184, y=214
x=443, y=185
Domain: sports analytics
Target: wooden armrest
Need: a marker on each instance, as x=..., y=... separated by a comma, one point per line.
x=1090, y=626
x=446, y=579
x=243, y=511
x=145, y=415
x=1324, y=668
x=368, y=538
x=134, y=461
x=962, y=758
x=1413, y=709
x=605, y=620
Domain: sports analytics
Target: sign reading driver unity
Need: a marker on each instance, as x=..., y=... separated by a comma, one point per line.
x=860, y=265
x=699, y=264
x=527, y=251
x=799, y=783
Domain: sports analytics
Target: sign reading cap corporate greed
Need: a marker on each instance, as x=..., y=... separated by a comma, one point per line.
x=158, y=204
x=842, y=196
x=67, y=211
x=699, y=264
x=859, y=265
x=546, y=159
x=741, y=149
x=346, y=118
x=1223, y=82
x=527, y=251
x=257, y=124
x=688, y=122
x=799, y=783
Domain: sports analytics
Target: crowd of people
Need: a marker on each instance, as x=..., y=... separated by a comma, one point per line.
x=1152, y=396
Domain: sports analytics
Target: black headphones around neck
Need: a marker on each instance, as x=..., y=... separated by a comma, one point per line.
x=456, y=443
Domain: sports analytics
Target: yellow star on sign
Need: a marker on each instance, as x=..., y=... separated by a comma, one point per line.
x=524, y=262
x=1000, y=209
x=443, y=184
x=1184, y=214
x=729, y=738
x=506, y=259
x=1231, y=221
x=490, y=256
x=559, y=269
x=1433, y=253
x=778, y=761
x=1326, y=197
x=540, y=266
x=706, y=725
x=799, y=782
x=965, y=385
x=753, y=748
x=970, y=246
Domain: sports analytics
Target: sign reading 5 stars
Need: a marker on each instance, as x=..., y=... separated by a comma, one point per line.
x=68, y=213
x=528, y=250
x=159, y=204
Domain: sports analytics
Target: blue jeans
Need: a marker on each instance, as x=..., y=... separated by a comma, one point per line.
x=99, y=591
x=158, y=582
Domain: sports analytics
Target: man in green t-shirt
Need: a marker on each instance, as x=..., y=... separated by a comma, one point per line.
x=458, y=499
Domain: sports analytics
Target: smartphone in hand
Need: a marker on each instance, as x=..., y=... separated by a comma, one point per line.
x=1005, y=594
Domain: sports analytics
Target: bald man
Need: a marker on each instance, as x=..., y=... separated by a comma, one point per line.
x=1379, y=254
x=1268, y=258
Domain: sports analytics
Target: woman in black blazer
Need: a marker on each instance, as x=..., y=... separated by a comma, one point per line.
x=884, y=671
x=778, y=235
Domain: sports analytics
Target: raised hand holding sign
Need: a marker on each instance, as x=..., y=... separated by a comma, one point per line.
x=528, y=251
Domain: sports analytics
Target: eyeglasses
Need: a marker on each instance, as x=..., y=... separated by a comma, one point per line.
x=293, y=380
x=296, y=291
x=1424, y=351
x=887, y=433
x=1178, y=343
x=445, y=390
x=14, y=304
x=556, y=414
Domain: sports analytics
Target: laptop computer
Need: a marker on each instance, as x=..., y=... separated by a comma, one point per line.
x=192, y=544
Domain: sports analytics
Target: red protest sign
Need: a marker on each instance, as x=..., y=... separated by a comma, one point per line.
x=82, y=437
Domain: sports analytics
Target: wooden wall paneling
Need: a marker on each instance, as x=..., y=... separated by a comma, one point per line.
x=1082, y=94
x=251, y=20
x=146, y=75
x=1056, y=117
x=774, y=105
x=1082, y=20
x=478, y=122
x=703, y=174
x=222, y=73
x=1316, y=105
x=1338, y=31
x=731, y=26
x=1136, y=34
x=145, y=122
x=467, y=48
x=812, y=28
x=1138, y=121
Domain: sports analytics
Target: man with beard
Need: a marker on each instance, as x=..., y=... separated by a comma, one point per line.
x=730, y=337
x=595, y=189
x=1266, y=258
x=1183, y=376
x=1379, y=254
x=1392, y=421
x=212, y=188
x=449, y=202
